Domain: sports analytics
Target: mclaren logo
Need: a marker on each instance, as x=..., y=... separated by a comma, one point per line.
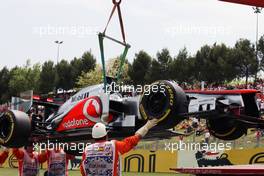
x=80, y=97
x=92, y=109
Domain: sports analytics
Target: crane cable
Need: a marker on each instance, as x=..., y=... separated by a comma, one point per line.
x=103, y=35
x=117, y=6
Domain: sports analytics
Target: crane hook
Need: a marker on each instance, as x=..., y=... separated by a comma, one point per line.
x=116, y=2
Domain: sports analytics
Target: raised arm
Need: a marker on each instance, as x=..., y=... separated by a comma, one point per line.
x=129, y=143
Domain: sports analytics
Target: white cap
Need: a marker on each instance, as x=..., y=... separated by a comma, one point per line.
x=99, y=131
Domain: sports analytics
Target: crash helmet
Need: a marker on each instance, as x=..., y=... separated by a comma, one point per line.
x=99, y=131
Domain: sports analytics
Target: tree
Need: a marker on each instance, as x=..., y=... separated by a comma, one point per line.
x=33, y=76
x=76, y=68
x=90, y=78
x=160, y=66
x=244, y=58
x=214, y=64
x=64, y=76
x=140, y=68
x=261, y=52
x=24, y=78
x=181, y=67
x=113, y=68
x=88, y=62
x=84, y=64
x=4, y=80
x=47, y=77
x=95, y=76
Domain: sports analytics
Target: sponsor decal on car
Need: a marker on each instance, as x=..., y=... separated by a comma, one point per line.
x=75, y=123
x=80, y=97
x=92, y=109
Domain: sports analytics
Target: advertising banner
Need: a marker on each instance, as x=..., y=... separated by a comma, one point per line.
x=161, y=161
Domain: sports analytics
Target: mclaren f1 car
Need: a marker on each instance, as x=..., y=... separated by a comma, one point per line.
x=229, y=113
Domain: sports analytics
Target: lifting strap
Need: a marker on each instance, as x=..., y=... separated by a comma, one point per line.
x=103, y=35
x=117, y=6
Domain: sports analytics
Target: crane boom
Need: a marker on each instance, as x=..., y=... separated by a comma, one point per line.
x=257, y=3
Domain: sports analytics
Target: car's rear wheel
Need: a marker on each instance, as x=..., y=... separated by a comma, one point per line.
x=226, y=128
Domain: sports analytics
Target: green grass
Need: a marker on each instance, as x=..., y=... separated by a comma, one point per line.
x=14, y=172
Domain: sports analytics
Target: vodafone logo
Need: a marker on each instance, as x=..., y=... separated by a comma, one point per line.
x=75, y=123
x=92, y=109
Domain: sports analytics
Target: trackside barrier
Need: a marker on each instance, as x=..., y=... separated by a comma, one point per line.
x=160, y=161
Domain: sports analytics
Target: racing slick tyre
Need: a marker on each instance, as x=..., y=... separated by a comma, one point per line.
x=166, y=101
x=225, y=128
x=15, y=129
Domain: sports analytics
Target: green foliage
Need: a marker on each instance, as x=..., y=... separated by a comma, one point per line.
x=113, y=66
x=261, y=52
x=160, y=67
x=140, y=68
x=88, y=62
x=214, y=64
x=24, y=78
x=95, y=76
x=64, y=77
x=90, y=78
x=4, y=80
x=47, y=77
x=244, y=59
x=181, y=67
x=76, y=65
x=84, y=64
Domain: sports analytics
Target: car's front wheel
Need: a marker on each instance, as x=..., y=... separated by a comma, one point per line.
x=15, y=129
